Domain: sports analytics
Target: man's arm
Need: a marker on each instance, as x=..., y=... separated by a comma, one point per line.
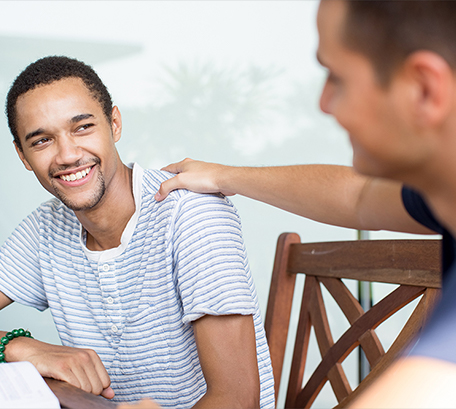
x=4, y=301
x=227, y=353
x=412, y=382
x=79, y=367
x=329, y=194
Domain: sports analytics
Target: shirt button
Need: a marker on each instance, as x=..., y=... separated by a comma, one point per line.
x=105, y=267
x=114, y=328
x=110, y=300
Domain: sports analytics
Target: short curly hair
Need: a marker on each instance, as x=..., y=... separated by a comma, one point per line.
x=47, y=70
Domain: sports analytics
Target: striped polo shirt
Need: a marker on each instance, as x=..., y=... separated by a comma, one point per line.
x=178, y=260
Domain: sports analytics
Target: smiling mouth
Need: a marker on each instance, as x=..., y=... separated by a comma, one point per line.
x=76, y=176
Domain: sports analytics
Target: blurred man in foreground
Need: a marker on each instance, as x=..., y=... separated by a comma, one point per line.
x=392, y=85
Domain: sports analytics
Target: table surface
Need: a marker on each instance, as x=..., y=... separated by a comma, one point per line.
x=71, y=397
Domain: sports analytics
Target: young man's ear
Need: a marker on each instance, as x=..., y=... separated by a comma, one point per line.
x=22, y=157
x=433, y=85
x=116, y=123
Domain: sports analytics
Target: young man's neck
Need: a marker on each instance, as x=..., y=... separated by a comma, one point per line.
x=105, y=224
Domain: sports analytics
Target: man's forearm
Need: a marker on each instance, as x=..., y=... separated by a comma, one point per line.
x=80, y=367
x=328, y=194
x=324, y=193
x=4, y=300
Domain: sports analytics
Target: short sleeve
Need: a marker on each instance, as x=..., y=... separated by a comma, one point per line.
x=210, y=262
x=20, y=277
x=419, y=210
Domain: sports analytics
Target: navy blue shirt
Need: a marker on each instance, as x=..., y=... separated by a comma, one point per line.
x=438, y=339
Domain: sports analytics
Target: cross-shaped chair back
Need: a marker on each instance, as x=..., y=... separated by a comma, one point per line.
x=412, y=264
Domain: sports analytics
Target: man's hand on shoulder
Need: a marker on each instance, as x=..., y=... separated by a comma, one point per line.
x=79, y=367
x=197, y=176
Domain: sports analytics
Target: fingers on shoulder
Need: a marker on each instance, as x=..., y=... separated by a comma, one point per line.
x=167, y=186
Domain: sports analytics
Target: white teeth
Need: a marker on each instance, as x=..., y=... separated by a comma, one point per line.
x=75, y=176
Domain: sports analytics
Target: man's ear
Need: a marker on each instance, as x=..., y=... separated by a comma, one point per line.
x=433, y=84
x=22, y=157
x=116, y=123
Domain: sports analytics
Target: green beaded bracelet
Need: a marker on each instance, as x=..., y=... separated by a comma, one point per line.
x=10, y=336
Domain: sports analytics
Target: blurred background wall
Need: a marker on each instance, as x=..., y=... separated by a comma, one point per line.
x=234, y=82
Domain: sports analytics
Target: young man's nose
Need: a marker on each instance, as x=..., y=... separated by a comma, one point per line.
x=68, y=151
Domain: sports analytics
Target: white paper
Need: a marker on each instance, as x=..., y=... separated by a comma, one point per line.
x=21, y=386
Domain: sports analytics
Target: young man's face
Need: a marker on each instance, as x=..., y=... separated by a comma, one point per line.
x=375, y=117
x=67, y=141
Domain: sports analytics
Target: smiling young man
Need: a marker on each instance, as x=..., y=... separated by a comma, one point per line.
x=151, y=300
x=392, y=85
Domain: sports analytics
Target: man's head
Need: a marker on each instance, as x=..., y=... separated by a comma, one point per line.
x=394, y=96
x=65, y=133
x=47, y=70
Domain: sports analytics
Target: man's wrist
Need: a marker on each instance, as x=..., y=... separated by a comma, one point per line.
x=7, y=337
x=228, y=179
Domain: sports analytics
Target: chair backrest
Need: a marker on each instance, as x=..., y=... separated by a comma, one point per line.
x=412, y=264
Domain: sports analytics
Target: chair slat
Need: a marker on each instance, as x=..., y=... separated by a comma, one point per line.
x=411, y=262
x=301, y=344
x=279, y=306
x=319, y=320
x=352, y=310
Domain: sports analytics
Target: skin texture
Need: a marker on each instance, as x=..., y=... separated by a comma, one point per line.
x=402, y=133
x=63, y=131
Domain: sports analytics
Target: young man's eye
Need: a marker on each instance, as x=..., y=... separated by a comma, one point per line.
x=83, y=127
x=39, y=141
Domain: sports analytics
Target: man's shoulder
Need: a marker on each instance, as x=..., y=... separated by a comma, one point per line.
x=183, y=207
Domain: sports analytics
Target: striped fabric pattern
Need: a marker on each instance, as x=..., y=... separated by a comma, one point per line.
x=178, y=260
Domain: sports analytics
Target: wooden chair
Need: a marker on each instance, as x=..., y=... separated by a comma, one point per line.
x=413, y=264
